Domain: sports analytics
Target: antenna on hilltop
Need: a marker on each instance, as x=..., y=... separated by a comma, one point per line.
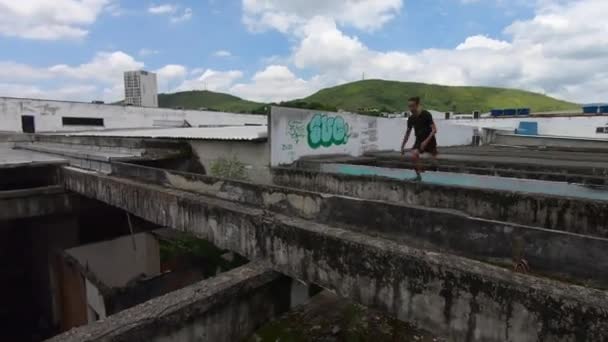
x=363, y=77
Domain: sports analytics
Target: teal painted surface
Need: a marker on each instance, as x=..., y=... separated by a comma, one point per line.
x=475, y=181
x=527, y=128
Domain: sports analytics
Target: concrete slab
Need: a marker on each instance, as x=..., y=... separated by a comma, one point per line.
x=74, y=151
x=463, y=299
x=226, y=308
x=575, y=257
x=571, y=214
x=13, y=158
x=514, y=156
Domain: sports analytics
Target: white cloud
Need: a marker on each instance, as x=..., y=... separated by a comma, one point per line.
x=483, y=42
x=562, y=51
x=185, y=15
x=82, y=91
x=99, y=78
x=48, y=20
x=284, y=16
x=275, y=83
x=115, y=10
x=104, y=67
x=212, y=80
x=170, y=75
x=162, y=9
x=175, y=12
x=222, y=53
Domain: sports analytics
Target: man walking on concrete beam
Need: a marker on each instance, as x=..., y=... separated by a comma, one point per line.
x=424, y=130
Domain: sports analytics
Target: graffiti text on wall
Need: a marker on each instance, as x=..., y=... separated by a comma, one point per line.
x=326, y=131
x=296, y=130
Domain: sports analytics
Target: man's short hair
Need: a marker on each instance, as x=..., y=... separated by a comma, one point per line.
x=415, y=99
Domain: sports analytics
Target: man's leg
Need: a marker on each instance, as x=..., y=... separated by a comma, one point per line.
x=416, y=162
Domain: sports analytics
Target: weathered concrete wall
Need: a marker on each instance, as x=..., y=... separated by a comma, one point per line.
x=49, y=200
x=463, y=299
x=572, y=256
x=30, y=176
x=48, y=235
x=137, y=254
x=226, y=308
x=252, y=159
x=558, y=213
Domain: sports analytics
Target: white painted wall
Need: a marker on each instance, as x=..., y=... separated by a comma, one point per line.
x=290, y=133
x=573, y=126
x=115, y=262
x=95, y=302
x=48, y=115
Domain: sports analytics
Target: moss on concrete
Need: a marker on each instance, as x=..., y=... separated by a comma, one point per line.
x=329, y=318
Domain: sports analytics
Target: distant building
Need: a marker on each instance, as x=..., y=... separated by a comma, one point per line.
x=141, y=89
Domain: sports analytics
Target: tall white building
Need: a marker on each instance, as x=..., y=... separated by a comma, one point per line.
x=141, y=88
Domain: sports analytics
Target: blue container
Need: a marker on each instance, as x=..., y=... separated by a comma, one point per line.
x=523, y=111
x=496, y=112
x=591, y=109
x=527, y=128
x=604, y=109
x=510, y=112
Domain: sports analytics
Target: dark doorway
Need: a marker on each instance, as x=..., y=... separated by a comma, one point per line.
x=27, y=124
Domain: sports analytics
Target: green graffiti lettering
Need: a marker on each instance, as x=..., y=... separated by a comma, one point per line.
x=327, y=131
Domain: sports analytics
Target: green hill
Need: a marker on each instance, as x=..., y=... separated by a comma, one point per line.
x=197, y=99
x=392, y=96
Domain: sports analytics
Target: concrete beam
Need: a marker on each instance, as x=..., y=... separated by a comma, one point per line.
x=559, y=254
x=502, y=170
x=574, y=215
x=228, y=307
x=28, y=203
x=589, y=144
x=463, y=299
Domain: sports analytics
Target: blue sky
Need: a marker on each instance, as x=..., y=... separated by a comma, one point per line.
x=282, y=49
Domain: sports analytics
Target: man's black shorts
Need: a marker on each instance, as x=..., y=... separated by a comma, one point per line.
x=431, y=147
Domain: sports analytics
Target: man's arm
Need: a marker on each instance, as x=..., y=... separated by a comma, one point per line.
x=428, y=139
x=405, y=139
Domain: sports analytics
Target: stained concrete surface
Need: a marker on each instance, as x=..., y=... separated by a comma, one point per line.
x=328, y=318
x=546, y=164
x=11, y=158
x=464, y=299
x=36, y=202
x=578, y=258
x=228, y=307
x=571, y=214
x=475, y=181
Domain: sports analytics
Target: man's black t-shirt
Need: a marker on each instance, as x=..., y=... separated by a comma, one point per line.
x=422, y=124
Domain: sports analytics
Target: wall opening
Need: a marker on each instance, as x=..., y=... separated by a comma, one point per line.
x=76, y=121
x=27, y=124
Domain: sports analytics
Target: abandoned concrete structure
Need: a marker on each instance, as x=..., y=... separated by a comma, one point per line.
x=498, y=243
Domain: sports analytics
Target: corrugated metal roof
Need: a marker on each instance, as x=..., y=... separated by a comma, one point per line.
x=191, y=133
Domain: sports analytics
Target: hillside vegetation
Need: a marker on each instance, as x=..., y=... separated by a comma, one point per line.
x=197, y=99
x=392, y=96
x=388, y=96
